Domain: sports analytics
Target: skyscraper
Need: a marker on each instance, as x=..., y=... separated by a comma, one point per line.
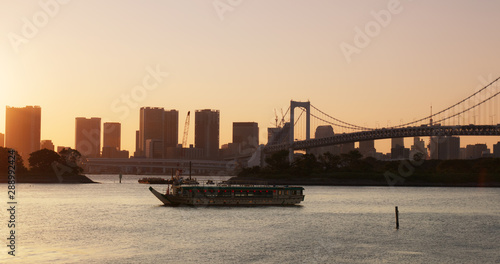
x=170, y=129
x=2, y=140
x=159, y=126
x=150, y=126
x=323, y=132
x=22, y=130
x=206, y=132
x=88, y=136
x=246, y=134
x=111, y=135
x=367, y=148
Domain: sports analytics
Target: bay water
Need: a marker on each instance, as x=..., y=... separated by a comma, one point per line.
x=114, y=222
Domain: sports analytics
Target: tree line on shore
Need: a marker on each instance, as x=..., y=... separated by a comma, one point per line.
x=43, y=162
x=353, y=163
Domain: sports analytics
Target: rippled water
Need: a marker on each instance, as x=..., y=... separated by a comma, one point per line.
x=125, y=223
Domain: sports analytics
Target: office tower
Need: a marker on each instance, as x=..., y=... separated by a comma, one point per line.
x=397, y=142
x=323, y=132
x=150, y=127
x=47, y=144
x=2, y=140
x=170, y=130
x=206, y=132
x=398, y=150
x=22, y=130
x=475, y=151
x=367, y=148
x=111, y=135
x=418, y=147
x=496, y=150
x=88, y=136
x=137, y=152
x=246, y=134
x=448, y=148
x=159, y=126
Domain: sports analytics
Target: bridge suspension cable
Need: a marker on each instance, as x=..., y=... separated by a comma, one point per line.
x=457, y=104
x=344, y=124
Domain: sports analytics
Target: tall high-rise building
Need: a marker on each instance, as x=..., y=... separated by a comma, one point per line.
x=137, y=152
x=496, y=150
x=367, y=148
x=418, y=147
x=47, y=144
x=111, y=135
x=22, y=130
x=88, y=136
x=246, y=134
x=170, y=129
x=150, y=126
x=2, y=140
x=323, y=132
x=397, y=142
x=206, y=132
x=449, y=148
x=159, y=126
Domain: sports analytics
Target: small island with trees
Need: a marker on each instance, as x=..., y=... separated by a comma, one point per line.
x=45, y=166
x=351, y=169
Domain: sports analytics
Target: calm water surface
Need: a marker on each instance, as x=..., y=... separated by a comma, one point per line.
x=125, y=223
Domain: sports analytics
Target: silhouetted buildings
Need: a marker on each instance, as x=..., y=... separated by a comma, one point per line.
x=161, y=128
x=22, y=129
x=112, y=135
x=496, y=150
x=2, y=140
x=418, y=147
x=246, y=134
x=475, y=151
x=47, y=144
x=323, y=132
x=398, y=150
x=206, y=132
x=112, y=141
x=88, y=136
x=444, y=147
x=367, y=148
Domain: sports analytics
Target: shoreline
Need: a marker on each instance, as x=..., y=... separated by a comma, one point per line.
x=49, y=178
x=362, y=182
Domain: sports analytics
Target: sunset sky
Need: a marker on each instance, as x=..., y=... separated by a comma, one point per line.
x=245, y=58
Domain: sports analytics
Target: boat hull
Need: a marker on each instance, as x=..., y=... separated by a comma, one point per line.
x=202, y=200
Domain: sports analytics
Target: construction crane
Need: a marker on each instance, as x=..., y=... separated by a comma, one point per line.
x=186, y=129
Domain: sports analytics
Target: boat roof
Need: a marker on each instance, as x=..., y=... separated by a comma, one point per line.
x=241, y=187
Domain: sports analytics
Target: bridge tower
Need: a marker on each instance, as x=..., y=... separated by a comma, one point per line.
x=307, y=107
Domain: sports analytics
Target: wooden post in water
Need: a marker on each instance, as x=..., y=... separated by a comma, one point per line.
x=397, y=218
x=120, y=176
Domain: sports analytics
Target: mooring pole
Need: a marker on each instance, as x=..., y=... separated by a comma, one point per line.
x=397, y=218
x=120, y=176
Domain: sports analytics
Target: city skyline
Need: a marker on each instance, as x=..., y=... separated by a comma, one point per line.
x=245, y=62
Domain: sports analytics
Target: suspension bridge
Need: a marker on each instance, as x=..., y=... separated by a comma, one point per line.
x=475, y=115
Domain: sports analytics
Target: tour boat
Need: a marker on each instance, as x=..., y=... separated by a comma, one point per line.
x=229, y=194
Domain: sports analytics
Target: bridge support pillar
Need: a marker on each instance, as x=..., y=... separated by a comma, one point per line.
x=307, y=107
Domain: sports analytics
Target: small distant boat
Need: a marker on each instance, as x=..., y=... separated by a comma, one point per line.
x=229, y=194
x=154, y=180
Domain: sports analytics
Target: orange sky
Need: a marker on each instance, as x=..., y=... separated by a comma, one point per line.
x=244, y=58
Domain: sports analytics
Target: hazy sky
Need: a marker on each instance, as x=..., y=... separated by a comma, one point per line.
x=243, y=57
